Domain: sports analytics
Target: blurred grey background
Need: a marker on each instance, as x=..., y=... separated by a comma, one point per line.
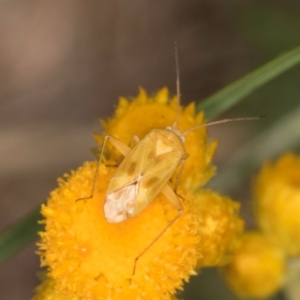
x=63, y=65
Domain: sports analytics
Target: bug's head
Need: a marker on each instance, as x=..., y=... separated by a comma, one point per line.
x=178, y=132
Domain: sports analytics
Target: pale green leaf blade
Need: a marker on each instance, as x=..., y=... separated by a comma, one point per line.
x=235, y=92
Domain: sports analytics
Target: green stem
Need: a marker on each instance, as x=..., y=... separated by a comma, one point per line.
x=18, y=235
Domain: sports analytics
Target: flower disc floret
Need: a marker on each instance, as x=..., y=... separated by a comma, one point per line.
x=48, y=291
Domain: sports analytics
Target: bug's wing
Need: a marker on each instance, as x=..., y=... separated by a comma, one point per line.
x=155, y=178
x=140, y=177
x=122, y=190
x=134, y=164
x=129, y=170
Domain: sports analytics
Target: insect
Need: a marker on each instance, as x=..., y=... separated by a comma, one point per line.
x=146, y=171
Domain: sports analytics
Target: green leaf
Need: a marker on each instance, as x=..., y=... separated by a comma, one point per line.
x=18, y=235
x=235, y=92
x=282, y=136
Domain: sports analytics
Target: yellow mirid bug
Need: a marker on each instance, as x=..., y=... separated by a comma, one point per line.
x=146, y=170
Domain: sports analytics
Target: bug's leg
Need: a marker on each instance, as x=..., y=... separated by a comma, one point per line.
x=133, y=141
x=182, y=162
x=124, y=149
x=170, y=194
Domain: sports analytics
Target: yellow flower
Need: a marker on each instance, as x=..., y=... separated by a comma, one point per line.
x=220, y=228
x=277, y=202
x=257, y=269
x=144, y=113
x=47, y=291
x=88, y=257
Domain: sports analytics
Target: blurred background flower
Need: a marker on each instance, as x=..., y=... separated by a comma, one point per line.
x=277, y=202
x=63, y=65
x=258, y=269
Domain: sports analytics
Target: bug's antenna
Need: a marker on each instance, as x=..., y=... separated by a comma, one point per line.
x=223, y=121
x=177, y=84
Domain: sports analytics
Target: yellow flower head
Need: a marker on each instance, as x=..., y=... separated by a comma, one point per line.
x=91, y=258
x=47, y=291
x=257, y=269
x=144, y=113
x=277, y=202
x=220, y=228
